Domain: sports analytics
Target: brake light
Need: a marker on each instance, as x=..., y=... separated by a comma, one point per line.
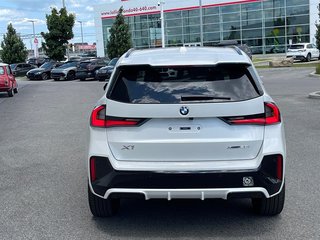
x=271, y=116
x=99, y=119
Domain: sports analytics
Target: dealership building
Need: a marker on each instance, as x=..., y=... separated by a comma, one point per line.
x=266, y=26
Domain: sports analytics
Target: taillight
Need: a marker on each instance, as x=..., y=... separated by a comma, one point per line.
x=118, y=122
x=270, y=116
x=99, y=119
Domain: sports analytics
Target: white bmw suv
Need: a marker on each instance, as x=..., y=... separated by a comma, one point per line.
x=186, y=123
x=303, y=51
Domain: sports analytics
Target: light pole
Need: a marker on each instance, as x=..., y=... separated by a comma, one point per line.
x=81, y=35
x=201, y=23
x=63, y=4
x=162, y=23
x=35, y=49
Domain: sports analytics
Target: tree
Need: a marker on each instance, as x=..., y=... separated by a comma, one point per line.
x=120, y=37
x=60, y=25
x=318, y=30
x=13, y=48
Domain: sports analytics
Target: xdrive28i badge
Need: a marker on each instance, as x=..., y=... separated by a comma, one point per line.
x=184, y=110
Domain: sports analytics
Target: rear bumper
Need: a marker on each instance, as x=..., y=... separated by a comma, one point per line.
x=34, y=76
x=4, y=89
x=297, y=55
x=58, y=76
x=109, y=182
x=102, y=76
x=84, y=74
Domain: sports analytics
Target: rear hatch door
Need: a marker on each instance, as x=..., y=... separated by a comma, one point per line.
x=182, y=112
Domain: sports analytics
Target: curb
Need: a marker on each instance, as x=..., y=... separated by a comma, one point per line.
x=313, y=74
x=314, y=95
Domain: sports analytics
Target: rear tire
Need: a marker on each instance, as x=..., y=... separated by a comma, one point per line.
x=269, y=206
x=71, y=75
x=11, y=92
x=44, y=76
x=100, y=207
x=15, y=90
x=308, y=58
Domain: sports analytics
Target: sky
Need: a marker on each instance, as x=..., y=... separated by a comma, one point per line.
x=20, y=12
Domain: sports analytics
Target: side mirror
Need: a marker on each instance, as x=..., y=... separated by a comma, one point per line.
x=105, y=86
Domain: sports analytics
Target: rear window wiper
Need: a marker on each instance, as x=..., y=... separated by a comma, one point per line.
x=203, y=98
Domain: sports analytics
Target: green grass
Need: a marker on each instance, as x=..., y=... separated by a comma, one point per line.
x=318, y=69
x=302, y=65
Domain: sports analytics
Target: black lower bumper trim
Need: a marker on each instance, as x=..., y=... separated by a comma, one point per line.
x=107, y=178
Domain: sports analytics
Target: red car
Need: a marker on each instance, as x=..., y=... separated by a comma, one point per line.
x=7, y=80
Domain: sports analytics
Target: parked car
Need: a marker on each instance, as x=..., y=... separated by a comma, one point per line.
x=66, y=71
x=74, y=59
x=38, y=61
x=303, y=52
x=104, y=73
x=88, y=68
x=43, y=72
x=210, y=130
x=8, y=82
x=243, y=47
x=20, y=69
x=275, y=49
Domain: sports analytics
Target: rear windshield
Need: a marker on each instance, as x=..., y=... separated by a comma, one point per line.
x=113, y=62
x=1, y=71
x=296, y=46
x=47, y=65
x=84, y=64
x=172, y=85
x=69, y=64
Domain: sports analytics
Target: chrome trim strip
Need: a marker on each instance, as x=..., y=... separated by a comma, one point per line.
x=200, y=193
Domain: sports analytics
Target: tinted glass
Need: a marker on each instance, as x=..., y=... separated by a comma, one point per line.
x=1, y=71
x=84, y=64
x=46, y=65
x=113, y=62
x=13, y=66
x=296, y=46
x=69, y=64
x=8, y=70
x=172, y=85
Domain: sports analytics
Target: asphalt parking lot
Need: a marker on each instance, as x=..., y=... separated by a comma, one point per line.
x=43, y=188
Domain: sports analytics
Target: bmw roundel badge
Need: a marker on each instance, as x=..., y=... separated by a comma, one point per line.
x=184, y=110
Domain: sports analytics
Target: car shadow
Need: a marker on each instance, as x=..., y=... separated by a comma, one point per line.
x=186, y=219
x=4, y=95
